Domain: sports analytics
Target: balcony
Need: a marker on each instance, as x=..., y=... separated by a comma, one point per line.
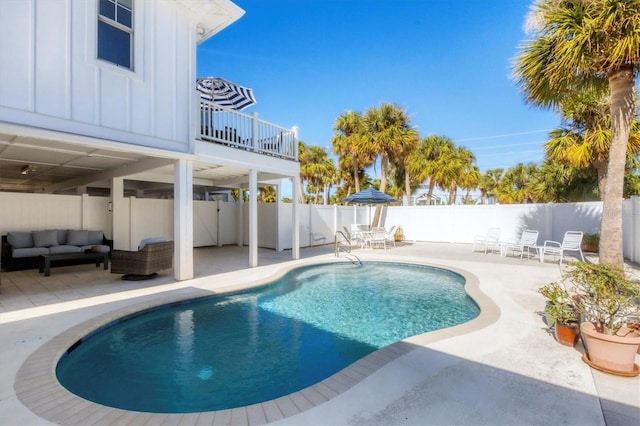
x=242, y=131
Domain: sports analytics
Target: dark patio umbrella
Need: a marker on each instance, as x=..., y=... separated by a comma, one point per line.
x=369, y=196
x=225, y=93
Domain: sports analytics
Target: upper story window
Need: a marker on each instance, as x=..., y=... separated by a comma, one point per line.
x=115, y=32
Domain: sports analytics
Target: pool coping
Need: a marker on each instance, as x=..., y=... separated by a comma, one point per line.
x=37, y=387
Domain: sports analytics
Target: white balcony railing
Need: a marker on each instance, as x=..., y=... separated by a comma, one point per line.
x=238, y=130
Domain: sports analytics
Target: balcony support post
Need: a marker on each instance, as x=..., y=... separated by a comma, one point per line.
x=254, y=131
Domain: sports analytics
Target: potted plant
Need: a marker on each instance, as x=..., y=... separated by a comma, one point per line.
x=605, y=296
x=561, y=314
x=398, y=235
x=591, y=243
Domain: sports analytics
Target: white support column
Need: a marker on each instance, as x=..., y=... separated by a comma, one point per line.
x=240, y=221
x=183, y=220
x=295, y=219
x=278, y=215
x=119, y=216
x=253, y=218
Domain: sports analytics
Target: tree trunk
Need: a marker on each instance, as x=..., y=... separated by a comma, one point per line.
x=407, y=185
x=384, y=165
x=300, y=191
x=356, y=174
x=430, y=192
x=601, y=169
x=622, y=85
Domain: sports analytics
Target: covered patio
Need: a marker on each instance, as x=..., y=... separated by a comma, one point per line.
x=501, y=368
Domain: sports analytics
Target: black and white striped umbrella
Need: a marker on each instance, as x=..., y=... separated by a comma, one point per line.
x=225, y=93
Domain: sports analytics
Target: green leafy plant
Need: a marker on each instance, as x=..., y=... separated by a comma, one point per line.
x=398, y=234
x=592, y=239
x=603, y=293
x=560, y=306
x=591, y=242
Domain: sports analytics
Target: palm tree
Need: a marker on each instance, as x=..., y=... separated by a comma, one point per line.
x=347, y=142
x=584, y=140
x=581, y=45
x=267, y=194
x=488, y=183
x=464, y=173
x=426, y=162
x=387, y=131
x=561, y=182
x=516, y=185
x=315, y=168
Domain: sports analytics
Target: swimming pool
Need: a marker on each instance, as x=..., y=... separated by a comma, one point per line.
x=239, y=349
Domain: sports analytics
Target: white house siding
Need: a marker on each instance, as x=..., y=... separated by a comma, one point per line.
x=49, y=76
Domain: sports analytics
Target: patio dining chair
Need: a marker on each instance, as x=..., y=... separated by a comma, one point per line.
x=378, y=238
x=490, y=239
x=572, y=241
x=528, y=241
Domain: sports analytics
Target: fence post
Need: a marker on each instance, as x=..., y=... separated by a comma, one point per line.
x=634, y=228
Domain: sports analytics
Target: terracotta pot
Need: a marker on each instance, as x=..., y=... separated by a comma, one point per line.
x=614, y=354
x=592, y=248
x=567, y=334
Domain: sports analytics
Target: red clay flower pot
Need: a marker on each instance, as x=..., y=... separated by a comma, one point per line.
x=567, y=334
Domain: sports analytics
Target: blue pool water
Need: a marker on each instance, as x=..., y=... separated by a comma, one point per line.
x=240, y=349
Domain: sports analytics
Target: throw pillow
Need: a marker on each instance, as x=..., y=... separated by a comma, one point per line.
x=19, y=240
x=77, y=238
x=45, y=238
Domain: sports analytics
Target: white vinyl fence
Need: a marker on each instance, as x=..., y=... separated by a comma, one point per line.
x=223, y=223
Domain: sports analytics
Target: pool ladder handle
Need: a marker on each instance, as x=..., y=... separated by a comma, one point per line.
x=346, y=248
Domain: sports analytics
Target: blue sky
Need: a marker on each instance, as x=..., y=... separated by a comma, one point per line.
x=446, y=62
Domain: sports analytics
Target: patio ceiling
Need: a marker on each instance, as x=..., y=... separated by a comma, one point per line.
x=29, y=164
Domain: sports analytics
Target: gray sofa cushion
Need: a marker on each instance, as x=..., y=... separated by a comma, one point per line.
x=19, y=240
x=64, y=249
x=77, y=238
x=45, y=238
x=95, y=238
x=62, y=236
x=151, y=240
x=29, y=252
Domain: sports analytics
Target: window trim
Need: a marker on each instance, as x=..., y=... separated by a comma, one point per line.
x=117, y=25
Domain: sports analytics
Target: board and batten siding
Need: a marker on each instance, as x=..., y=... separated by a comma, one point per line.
x=50, y=77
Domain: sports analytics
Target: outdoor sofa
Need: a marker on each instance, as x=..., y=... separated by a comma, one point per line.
x=22, y=250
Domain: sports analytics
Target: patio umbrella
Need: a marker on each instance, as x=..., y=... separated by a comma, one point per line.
x=369, y=196
x=225, y=93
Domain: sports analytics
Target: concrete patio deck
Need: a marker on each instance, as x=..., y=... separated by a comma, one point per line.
x=502, y=368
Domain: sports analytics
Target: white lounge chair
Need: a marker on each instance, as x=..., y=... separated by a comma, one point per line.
x=528, y=241
x=492, y=238
x=572, y=241
x=390, y=235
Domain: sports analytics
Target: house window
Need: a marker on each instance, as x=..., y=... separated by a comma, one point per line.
x=115, y=32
